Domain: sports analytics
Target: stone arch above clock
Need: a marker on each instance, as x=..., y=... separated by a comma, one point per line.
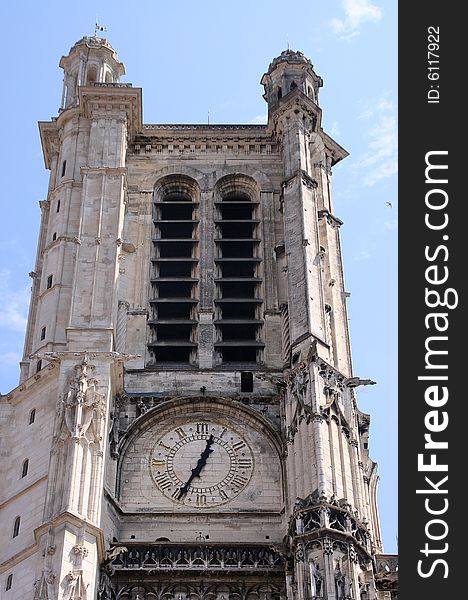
x=235, y=450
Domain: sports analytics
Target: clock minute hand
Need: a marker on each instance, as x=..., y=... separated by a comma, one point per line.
x=197, y=470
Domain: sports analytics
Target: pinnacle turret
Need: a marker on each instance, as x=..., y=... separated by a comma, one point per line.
x=289, y=71
x=91, y=60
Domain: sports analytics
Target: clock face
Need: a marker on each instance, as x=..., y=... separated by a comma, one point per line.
x=201, y=463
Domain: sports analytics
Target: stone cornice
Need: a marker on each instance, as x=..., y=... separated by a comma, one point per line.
x=103, y=170
x=77, y=521
x=331, y=219
x=37, y=380
x=57, y=357
x=334, y=536
x=18, y=557
x=336, y=151
x=50, y=142
x=114, y=100
x=296, y=102
x=150, y=514
x=63, y=185
x=87, y=43
x=241, y=134
x=306, y=179
x=62, y=238
x=202, y=127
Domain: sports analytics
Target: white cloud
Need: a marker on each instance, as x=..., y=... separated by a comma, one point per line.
x=384, y=103
x=357, y=12
x=7, y=359
x=13, y=304
x=380, y=160
x=365, y=114
x=259, y=120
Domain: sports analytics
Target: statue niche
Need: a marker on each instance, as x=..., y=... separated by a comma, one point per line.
x=84, y=405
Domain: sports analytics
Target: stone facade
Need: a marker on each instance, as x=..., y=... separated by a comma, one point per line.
x=186, y=423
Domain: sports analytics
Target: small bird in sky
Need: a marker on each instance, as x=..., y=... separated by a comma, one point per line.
x=389, y=204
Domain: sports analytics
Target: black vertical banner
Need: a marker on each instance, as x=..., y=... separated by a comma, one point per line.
x=432, y=307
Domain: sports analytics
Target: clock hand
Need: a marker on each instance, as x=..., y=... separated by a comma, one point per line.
x=197, y=470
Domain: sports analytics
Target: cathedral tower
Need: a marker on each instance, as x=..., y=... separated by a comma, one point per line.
x=186, y=424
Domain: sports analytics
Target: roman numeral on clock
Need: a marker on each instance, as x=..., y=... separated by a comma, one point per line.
x=238, y=445
x=201, y=500
x=244, y=463
x=163, y=481
x=223, y=495
x=202, y=428
x=239, y=480
x=157, y=462
x=180, y=432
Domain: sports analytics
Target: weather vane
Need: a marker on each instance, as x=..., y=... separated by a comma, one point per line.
x=98, y=27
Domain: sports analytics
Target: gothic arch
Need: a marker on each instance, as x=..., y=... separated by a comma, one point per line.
x=187, y=405
x=177, y=183
x=237, y=183
x=208, y=181
x=152, y=180
x=92, y=73
x=249, y=176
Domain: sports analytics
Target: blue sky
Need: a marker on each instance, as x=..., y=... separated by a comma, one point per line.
x=195, y=57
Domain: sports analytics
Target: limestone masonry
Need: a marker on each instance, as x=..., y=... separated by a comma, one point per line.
x=186, y=426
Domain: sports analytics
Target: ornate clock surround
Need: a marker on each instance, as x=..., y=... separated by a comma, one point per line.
x=236, y=429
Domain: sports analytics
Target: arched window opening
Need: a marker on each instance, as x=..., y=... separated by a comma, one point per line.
x=32, y=416
x=16, y=527
x=91, y=74
x=174, y=280
x=238, y=281
x=9, y=582
x=71, y=83
x=25, y=467
x=280, y=93
x=66, y=94
x=293, y=85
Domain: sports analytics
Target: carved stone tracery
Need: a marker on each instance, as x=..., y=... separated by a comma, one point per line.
x=142, y=569
x=192, y=590
x=195, y=557
x=317, y=512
